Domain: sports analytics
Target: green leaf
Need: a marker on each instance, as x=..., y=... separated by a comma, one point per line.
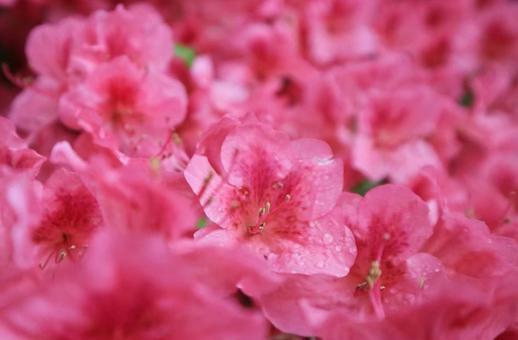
x=366, y=185
x=201, y=223
x=467, y=99
x=185, y=53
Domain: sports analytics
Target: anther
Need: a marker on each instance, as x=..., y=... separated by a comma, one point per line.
x=60, y=256
x=264, y=210
x=244, y=191
x=374, y=273
x=256, y=229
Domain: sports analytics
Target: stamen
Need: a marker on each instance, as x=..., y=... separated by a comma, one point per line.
x=362, y=285
x=44, y=264
x=374, y=273
x=264, y=210
x=154, y=163
x=208, y=178
x=256, y=229
x=244, y=191
x=206, y=182
x=60, y=256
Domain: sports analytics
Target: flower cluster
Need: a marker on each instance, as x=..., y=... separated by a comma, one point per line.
x=278, y=169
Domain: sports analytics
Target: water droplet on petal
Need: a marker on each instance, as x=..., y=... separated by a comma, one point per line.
x=328, y=238
x=277, y=185
x=325, y=161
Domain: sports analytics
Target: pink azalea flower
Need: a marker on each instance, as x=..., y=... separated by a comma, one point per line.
x=137, y=195
x=124, y=32
x=275, y=195
x=455, y=310
x=339, y=31
x=467, y=247
x=126, y=108
x=390, y=226
x=198, y=153
x=72, y=48
x=71, y=216
x=390, y=133
x=131, y=287
x=65, y=53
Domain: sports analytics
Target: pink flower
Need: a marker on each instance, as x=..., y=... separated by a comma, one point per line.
x=391, y=133
x=198, y=153
x=390, y=226
x=339, y=30
x=63, y=54
x=72, y=48
x=467, y=247
x=135, y=196
x=455, y=309
x=126, y=108
x=275, y=195
x=133, y=287
x=71, y=216
x=123, y=32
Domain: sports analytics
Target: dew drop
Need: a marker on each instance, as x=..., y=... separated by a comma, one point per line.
x=277, y=185
x=325, y=161
x=320, y=264
x=328, y=238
